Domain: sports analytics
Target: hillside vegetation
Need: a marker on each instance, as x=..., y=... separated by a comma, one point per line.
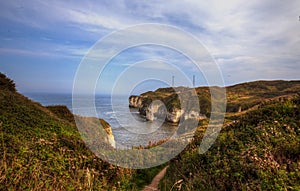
x=258, y=147
x=239, y=97
x=41, y=149
x=259, y=151
x=246, y=95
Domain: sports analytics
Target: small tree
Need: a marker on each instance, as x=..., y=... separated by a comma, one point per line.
x=6, y=83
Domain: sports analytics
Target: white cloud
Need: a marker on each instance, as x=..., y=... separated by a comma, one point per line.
x=239, y=34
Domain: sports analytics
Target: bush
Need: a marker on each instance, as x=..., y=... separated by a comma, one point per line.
x=6, y=83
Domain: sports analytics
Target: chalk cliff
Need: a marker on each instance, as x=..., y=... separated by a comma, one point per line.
x=174, y=115
x=135, y=101
x=165, y=104
x=92, y=128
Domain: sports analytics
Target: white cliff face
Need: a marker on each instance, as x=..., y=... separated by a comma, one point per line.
x=111, y=140
x=154, y=109
x=135, y=101
x=202, y=116
x=175, y=115
x=194, y=115
x=157, y=110
x=98, y=130
x=149, y=115
x=110, y=137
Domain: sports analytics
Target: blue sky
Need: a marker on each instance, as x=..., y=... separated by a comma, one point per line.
x=43, y=42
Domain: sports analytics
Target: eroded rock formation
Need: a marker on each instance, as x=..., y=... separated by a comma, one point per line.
x=174, y=115
x=135, y=101
x=95, y=130
x=170, y=110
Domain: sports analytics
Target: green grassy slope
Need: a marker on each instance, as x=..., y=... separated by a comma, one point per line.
x=249, y=94
x=41, y=149
x=239, y=97
x=261, y=151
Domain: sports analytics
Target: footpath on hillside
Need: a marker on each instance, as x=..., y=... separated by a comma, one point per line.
x=154, y=184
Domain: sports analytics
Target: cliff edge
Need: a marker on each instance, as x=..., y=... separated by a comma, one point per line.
x=42, y=149
x=168, y=104
x=182, y=103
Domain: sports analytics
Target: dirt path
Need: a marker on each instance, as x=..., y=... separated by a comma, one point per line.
x=154, y=184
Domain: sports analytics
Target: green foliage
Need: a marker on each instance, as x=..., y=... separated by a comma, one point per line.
x=6, y=83
x=62, y=112
x=260, y=151
x=41, y=149
x=239, y=97
x=248, y=95
x=205, y=104
x=144, y=177
x=173, y=102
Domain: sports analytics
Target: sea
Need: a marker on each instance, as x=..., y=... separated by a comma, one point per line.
x=128, y=127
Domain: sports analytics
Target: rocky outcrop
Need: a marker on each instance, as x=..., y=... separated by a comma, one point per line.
x=96, y=131
x=194, y=115
x=151, y=112
x=111, y=140
x=109, y=137
x=174, y=115
x=178, y=114
x=135, y=101
x=154, y=110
